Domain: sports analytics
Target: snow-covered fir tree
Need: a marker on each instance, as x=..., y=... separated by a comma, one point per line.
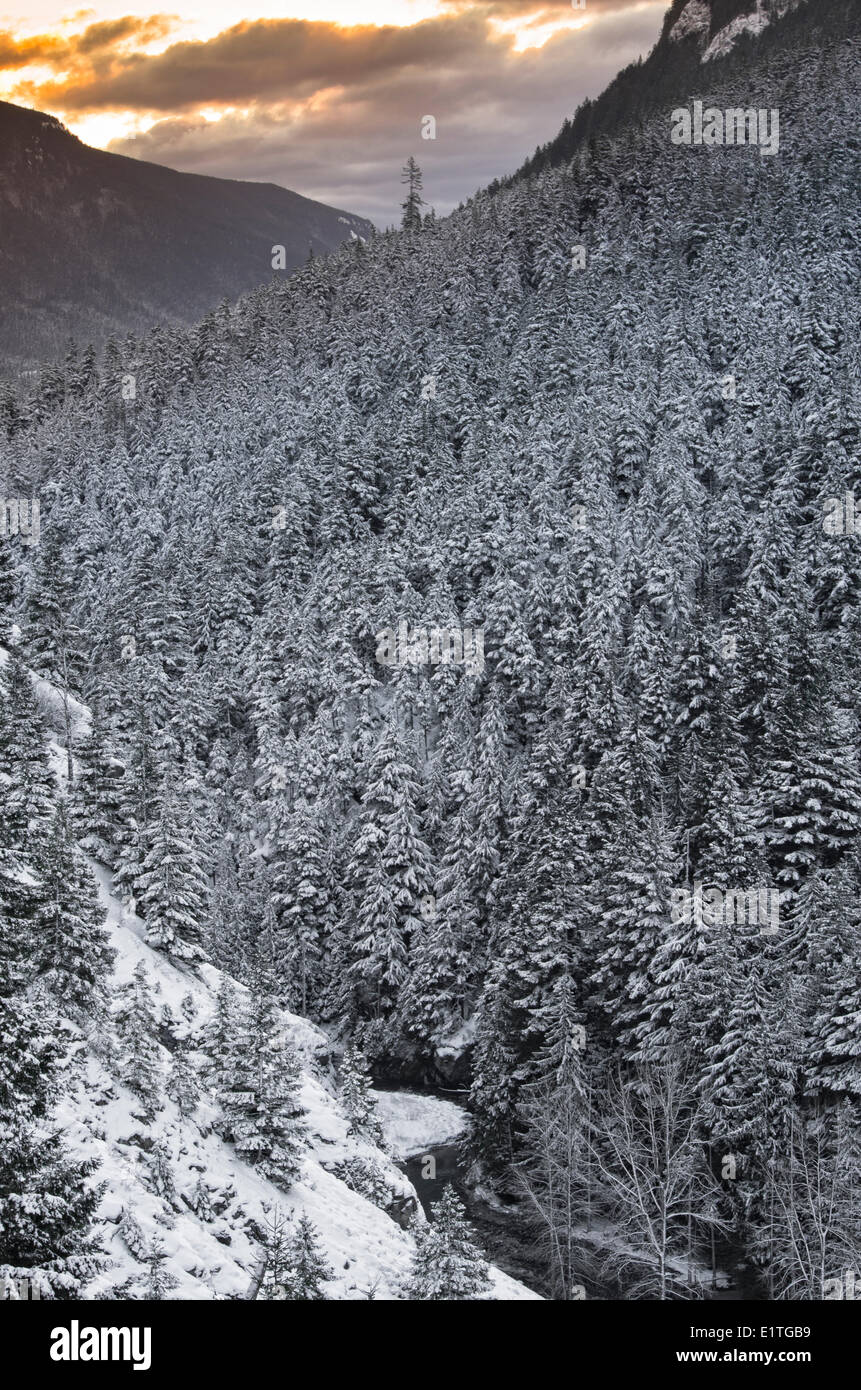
x=448, y=1265
x=139, y=1059
x=356, y=1096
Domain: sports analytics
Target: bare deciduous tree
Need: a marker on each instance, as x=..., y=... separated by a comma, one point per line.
x=812, y=1191
x=652, y=1173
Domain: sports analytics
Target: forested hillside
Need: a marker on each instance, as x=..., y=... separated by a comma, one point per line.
x=596, y=419
x=694, y=32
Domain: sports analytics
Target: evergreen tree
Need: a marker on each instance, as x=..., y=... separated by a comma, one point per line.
x=96, y=801
x=159, y=1281
x=300, y=903
x=411, y=175
x=306, y=1266
x=25, y=772
x=263, y=1115
x=54, y=641
x=390, y=871
x=447, y=1265
x=8, y=589
x=221, y=1035
x=182, y=1084
x=275, y=1261
x=357, y=1101
x=493, y=1095
x=47, y=1203
x=75, y=959
x=139, y=1056
x=171, y=885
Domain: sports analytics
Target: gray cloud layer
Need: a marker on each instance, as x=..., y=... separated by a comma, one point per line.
x=333, y=112
x=491, y=108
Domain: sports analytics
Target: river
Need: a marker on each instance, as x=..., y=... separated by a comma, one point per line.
x=505, y=1237
x=501, y=1232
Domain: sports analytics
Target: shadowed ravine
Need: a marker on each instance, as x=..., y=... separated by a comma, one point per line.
x=507, y=1240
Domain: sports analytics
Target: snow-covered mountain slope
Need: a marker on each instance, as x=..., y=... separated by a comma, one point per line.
x=155, y=1171
x=216, y=1258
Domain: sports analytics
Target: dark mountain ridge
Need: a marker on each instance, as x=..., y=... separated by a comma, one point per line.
x=94, y=244
x=674, y=69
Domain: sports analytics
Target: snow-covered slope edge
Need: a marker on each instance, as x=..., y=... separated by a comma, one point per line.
x=217, y=1257
x=153, y=1172
x=695, y=21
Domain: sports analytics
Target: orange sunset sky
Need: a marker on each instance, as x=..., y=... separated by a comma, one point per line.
x=323, y=96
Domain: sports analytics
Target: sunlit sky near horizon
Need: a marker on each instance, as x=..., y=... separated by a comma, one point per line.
x=322, y=96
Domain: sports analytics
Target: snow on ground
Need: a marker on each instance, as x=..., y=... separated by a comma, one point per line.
x=508, y=1290
x=412, y=1124
x=217, y=1258
x=50, y=702
x=217, y=1254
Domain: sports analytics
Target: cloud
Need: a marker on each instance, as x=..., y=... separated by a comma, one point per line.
x=78, y=52
x=257, y=60
x=261, y=59
x=333, y=111
x=40, y=48
x=545, y=9
x=111, y=32
x=344, y=141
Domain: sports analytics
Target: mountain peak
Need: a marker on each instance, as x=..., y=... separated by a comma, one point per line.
x=694, y=32
x=695, y=21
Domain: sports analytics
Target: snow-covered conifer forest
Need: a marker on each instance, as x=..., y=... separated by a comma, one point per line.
x=440, y=670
